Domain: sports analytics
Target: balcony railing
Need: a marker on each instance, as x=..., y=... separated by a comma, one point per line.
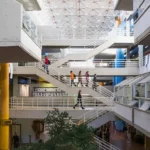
x=63, y=103
x=97, y=63
x=31, y=30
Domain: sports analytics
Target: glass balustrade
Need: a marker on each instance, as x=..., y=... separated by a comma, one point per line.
x=30, y=28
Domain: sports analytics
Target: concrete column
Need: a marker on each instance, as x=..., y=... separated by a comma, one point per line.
x=4, y=106
x=140, y=55
x=15, y=86
x=146, y=90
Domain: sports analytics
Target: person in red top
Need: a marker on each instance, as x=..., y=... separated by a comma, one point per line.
x=46, y=64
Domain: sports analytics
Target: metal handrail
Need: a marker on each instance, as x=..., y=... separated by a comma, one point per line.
x=100, y=89
x=104, y=145
x=46, y=103
x=100, y=63
x=116, y=32
x=95, y=113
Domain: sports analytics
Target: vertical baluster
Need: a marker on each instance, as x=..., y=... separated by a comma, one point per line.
x=22, y=102
x=32, y=103
x=37, y=104
x=48, y=103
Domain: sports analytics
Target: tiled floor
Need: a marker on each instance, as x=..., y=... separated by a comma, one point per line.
x=119, y=140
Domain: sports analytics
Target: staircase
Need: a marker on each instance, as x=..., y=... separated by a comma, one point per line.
x=119, y=39
x=62, y=83
x=92, y=115
x=103, y=145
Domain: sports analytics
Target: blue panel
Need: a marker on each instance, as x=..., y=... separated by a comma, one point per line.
x=119, y=64
x=120, y=125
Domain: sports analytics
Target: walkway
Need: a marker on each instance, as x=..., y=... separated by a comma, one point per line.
x=119, y=140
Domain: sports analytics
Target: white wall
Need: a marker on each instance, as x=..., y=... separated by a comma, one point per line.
x=26, y=130
x=11, y=20
x=142, y=119
x=123, y=111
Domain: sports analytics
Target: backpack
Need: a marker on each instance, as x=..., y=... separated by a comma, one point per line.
x=49, y=62
x=74, y=76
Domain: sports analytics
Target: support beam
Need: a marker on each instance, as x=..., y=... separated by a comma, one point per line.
x=4, y=106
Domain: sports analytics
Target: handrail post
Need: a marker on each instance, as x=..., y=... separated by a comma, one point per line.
x=32, y=102
x=17, y=103
x=22, y=103
x=48, y=103
x=37, y=104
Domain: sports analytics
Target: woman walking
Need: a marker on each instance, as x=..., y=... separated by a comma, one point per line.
x=87, y=78
x=80, y=79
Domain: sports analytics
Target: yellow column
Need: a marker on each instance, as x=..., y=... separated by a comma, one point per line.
x=4, y=106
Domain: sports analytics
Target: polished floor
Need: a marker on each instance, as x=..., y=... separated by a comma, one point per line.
x=119, y=139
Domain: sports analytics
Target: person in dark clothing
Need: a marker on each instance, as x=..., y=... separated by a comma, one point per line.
x=108, y=135
x=16, y=140
x=94, y=83
x=79, y=100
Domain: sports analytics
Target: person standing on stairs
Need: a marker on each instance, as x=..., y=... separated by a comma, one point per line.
x=72, y=76
x=80, y=79
x=79, y=100
x=87, y=78
x=46, y=64
x=94, y=86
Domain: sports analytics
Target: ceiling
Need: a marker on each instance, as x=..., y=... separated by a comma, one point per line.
x=75, y=19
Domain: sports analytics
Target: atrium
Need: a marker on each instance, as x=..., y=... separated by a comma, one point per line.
x=75, y=73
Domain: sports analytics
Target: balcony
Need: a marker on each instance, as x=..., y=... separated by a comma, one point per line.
x=19, y=36
x=142, y=121
x=123, y=5
x=142, y=25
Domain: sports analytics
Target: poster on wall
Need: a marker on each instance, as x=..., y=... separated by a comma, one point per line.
x=24, y=90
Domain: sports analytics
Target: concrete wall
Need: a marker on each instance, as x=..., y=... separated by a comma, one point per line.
x=26, y=130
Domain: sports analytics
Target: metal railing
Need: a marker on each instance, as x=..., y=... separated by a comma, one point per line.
x=30, y=28
x=116, y=32
x=103, y=63
x=93, y=114
x=63, y=103
x=103, y=145
x=63, y=79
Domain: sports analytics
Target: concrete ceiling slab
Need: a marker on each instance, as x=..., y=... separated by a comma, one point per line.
x=124, y=5
x=15, y=54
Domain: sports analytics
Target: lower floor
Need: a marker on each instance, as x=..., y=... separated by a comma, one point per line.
x=121, y=139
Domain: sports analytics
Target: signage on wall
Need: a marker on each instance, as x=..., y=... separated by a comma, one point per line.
x=46, y=92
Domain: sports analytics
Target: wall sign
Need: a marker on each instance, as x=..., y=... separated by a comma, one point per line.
x=47, y=92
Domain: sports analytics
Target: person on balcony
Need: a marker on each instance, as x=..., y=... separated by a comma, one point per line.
x=16, y=140
x=46, y=64
x=94, y=86
x=79, y=100
x=87, y=78
x=80, y=79
x=72, y=77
